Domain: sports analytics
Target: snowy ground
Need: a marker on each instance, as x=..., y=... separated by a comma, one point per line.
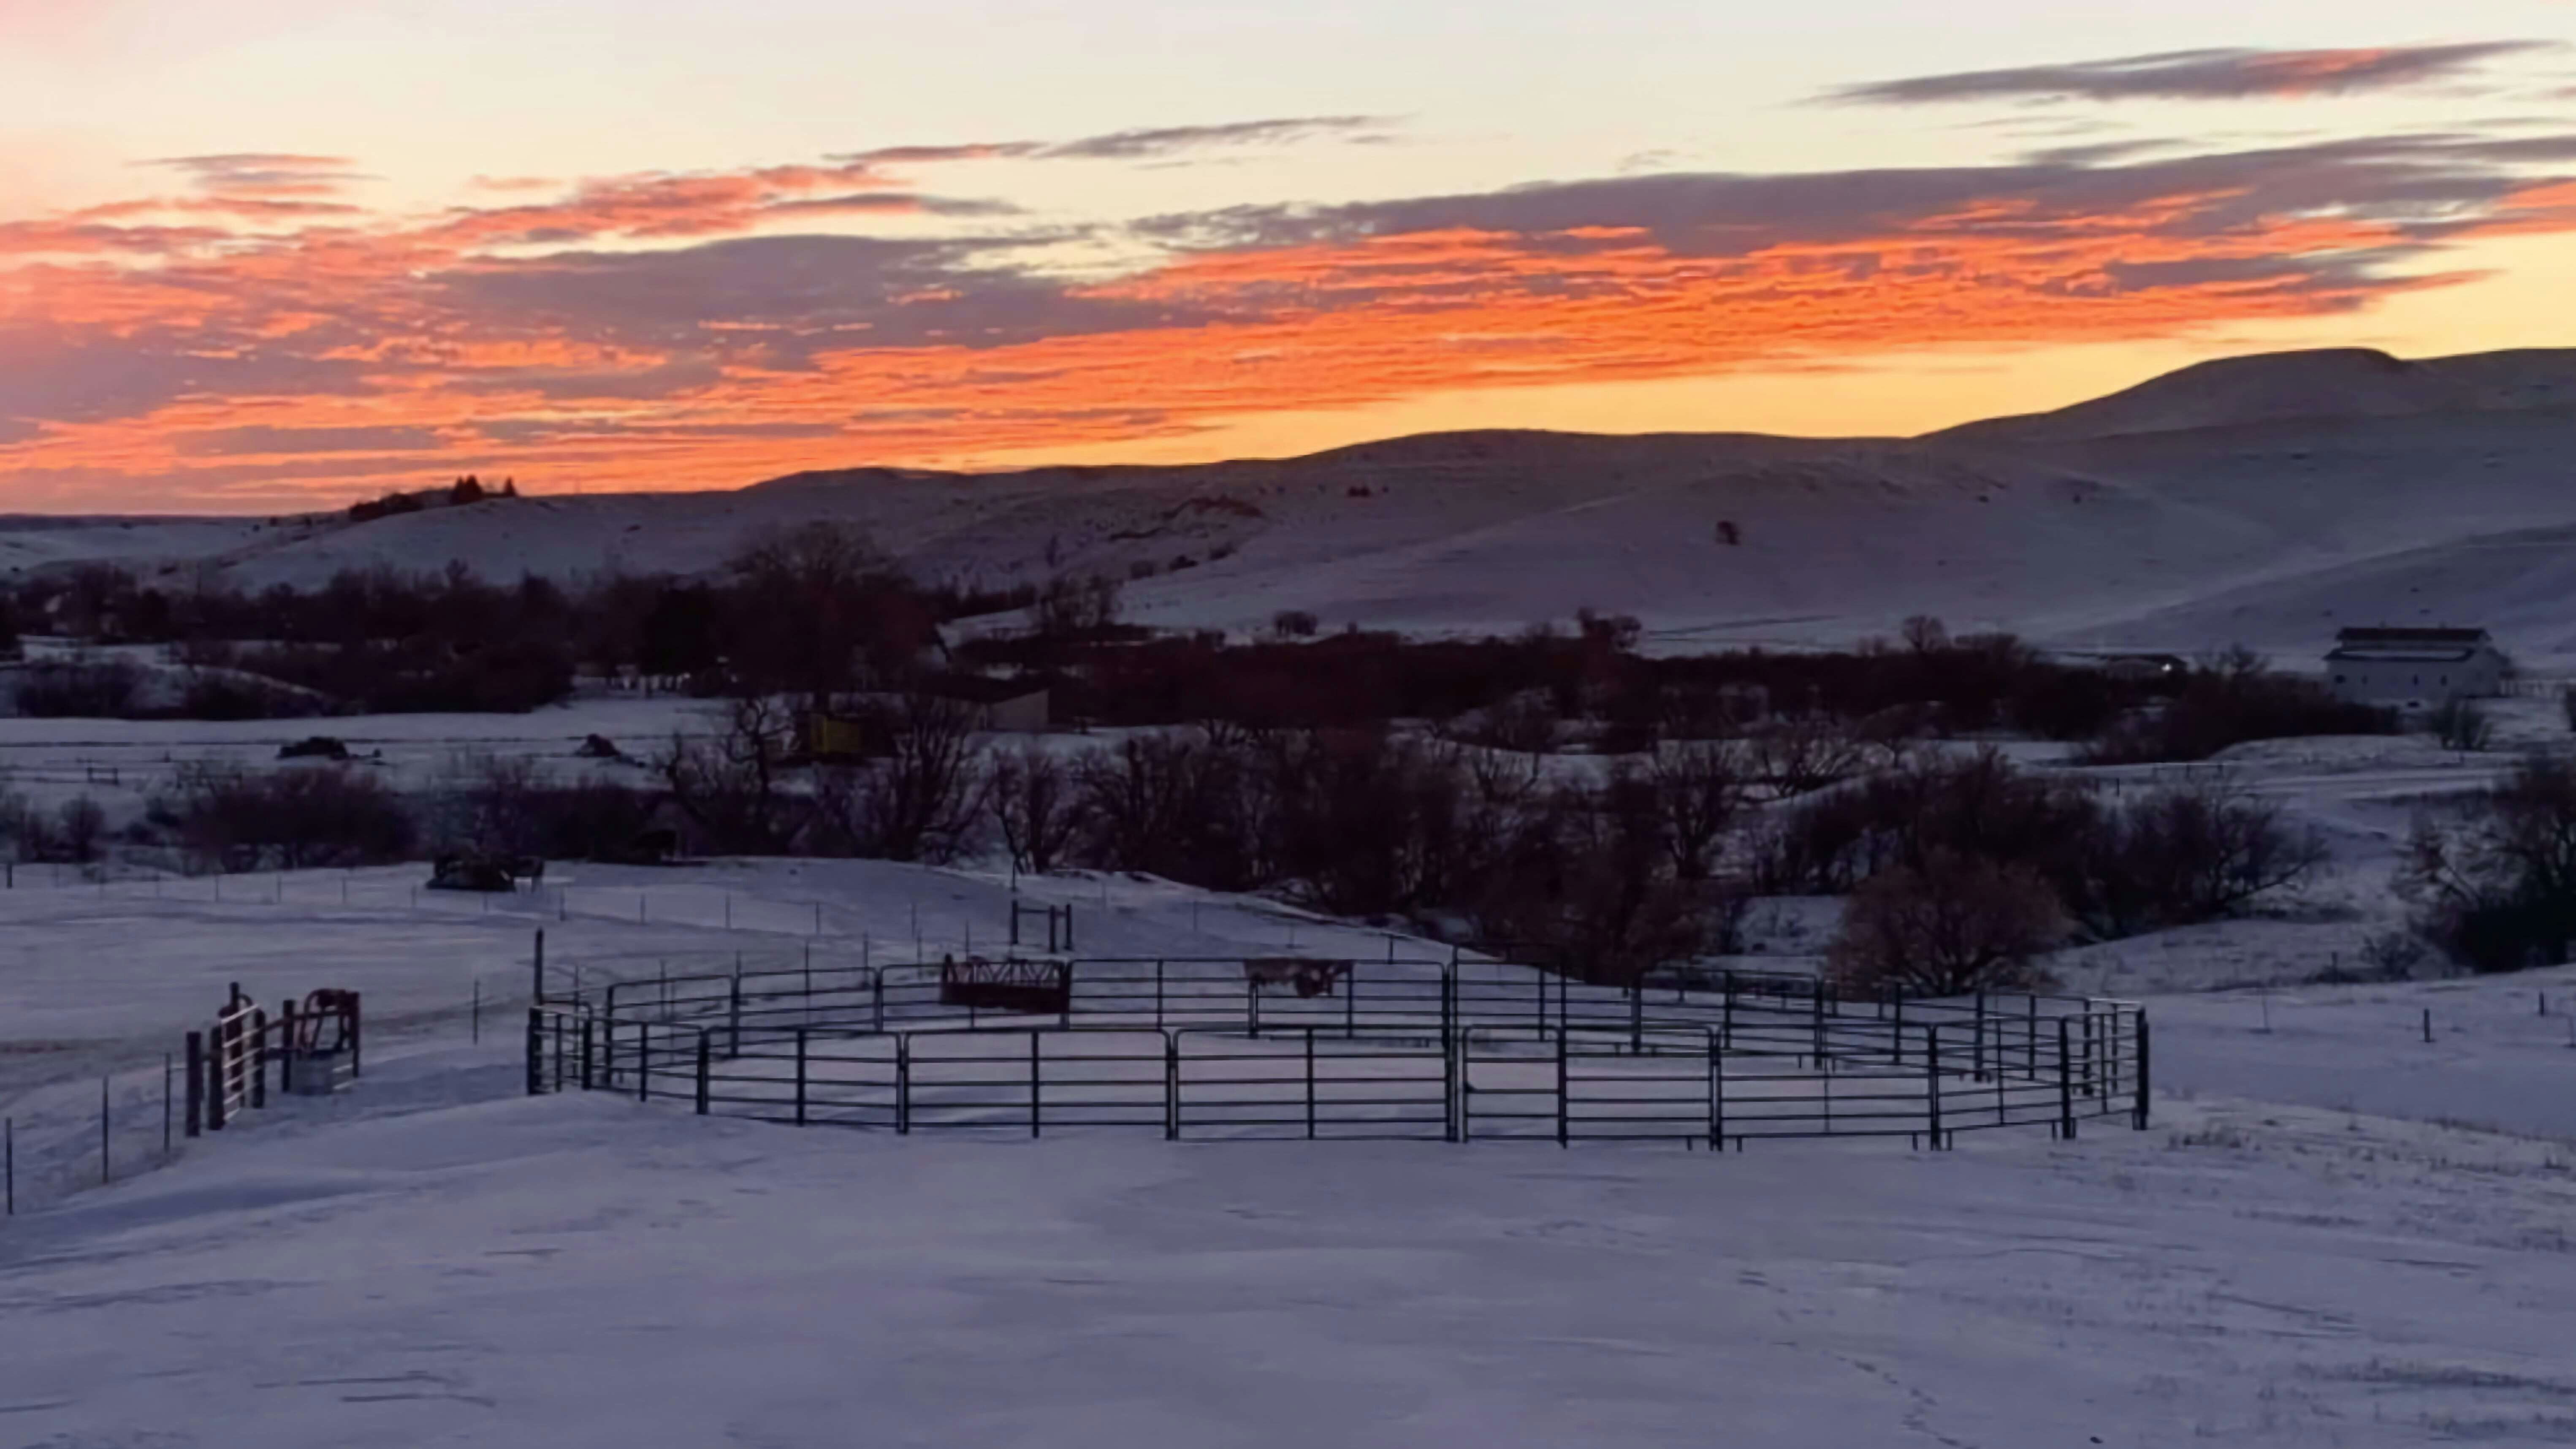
x=436, y=1260
x=432, y=1258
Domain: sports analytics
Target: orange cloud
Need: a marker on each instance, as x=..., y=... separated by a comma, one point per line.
x=654, y=330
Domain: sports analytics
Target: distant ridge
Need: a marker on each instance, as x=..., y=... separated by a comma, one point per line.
x=2263, y=500
x=2284, y=387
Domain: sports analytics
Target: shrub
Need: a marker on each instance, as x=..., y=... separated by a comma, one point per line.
x=2229, y=702
x=81, y=687
x=298, y=818
x=2496, y=887
x=1958, y=924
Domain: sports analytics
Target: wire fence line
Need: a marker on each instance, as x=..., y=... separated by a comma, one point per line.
x=1284, y=1047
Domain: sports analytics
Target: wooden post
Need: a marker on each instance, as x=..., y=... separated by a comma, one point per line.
x=588, y=1079
x=1171, y=1088
x=259, y=1059
x=536, y=1051
x=1932, y=1080
x=196, y=1086
x=537, y=984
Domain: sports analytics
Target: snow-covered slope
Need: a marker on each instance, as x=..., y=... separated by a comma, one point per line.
x=2265, y=500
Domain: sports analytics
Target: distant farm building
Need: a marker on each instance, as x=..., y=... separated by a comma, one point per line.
x=993, y=706
x=2415, y=668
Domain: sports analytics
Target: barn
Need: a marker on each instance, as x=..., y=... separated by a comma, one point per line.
x=2415, y=668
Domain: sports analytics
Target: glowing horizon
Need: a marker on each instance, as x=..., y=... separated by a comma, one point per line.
x=286, y=323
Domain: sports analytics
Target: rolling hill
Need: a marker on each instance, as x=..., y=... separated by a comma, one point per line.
x=2264, y=499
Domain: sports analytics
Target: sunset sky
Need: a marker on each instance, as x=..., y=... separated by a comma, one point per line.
x=272, y=254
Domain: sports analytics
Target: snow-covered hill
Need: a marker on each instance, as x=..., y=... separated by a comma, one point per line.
x=2266, y=500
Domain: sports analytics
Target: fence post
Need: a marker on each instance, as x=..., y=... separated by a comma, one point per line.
x=259, y=1059
x=1564, y=1117
x=2139, y=1119
x=1979, y=1064
x=588, y=1079
x=876, y=1000
x=560, y=1053
x=1816, y=994
x=643, y=1061
x=1158, y=993
x=357, y=1041
x=215, y=1074
x=2065, y=1084
x=1310, y=1084
x=902, y=1085
x=1716, y=1096
x=538, y=983
x=1034, y=1081
x=1637, y=1017
x=1899, y=1032
x=1171, y=1087
x=733, y=1009
x=1726, y=1017
x=706, y=1061
x=1932, y=1080
x=196, y=1082
x=800, y=1076
x=536, y=1051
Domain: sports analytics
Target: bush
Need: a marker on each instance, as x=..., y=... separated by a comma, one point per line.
x=299, y=818
x=81, y=687
x=2231, y=702
x=2496, y=887
x=2157, y=859
x=1956, y=925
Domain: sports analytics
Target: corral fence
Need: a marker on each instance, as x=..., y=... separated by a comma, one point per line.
x=1316, y=1049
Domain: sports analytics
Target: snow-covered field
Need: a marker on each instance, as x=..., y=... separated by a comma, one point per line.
x=2319, y=1242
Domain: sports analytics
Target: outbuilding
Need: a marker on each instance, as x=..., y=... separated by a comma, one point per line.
x=2415, y=668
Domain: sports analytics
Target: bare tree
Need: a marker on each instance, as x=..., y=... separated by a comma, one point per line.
x=920, y=799
x=735, y=787
x=1700, y=787
x=1032, y=802
x=1926, y=634
x=1805, y=753
x=1959, y=924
